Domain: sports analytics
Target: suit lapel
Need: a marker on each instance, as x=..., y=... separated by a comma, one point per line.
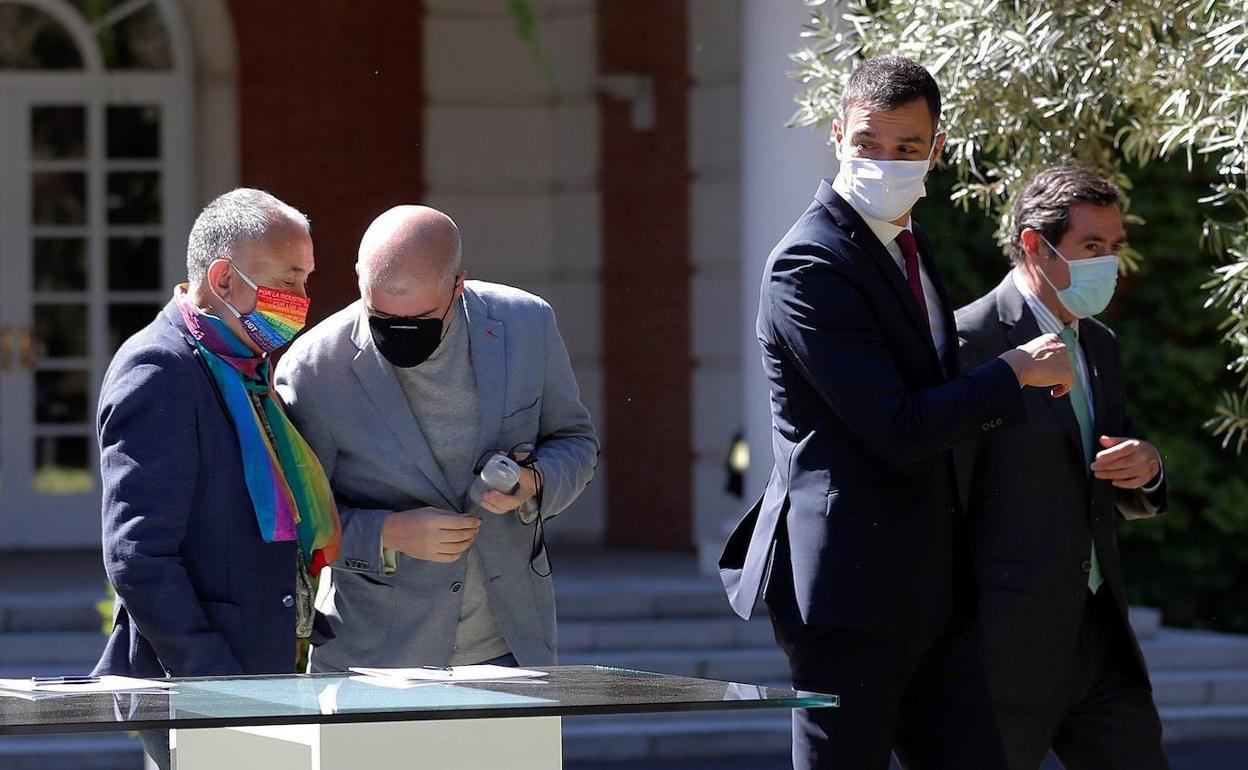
x=381, y=385
x=862, y=236
x=1013, y=311
x=1092, y=354
x=488, y=347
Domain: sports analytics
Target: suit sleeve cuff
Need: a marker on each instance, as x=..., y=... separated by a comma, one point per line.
x=361, y=542
x=1002, y=397
x=1155, y=484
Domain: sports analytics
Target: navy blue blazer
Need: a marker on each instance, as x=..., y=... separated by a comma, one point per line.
x=859, y=523
x=1034, y=510
x=198, y=591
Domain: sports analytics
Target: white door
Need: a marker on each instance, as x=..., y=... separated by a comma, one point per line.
x=94, y=195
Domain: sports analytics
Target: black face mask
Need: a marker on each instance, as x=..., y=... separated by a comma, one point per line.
x=407, y=342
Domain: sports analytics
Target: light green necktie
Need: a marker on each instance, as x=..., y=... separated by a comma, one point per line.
x=1079, y=402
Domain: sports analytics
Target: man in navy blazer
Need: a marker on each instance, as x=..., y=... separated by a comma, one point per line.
x=1044, y=498
x=199, y=592
x=858, y=543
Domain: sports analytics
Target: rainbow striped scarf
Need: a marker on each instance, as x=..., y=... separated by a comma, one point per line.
x=288, y=487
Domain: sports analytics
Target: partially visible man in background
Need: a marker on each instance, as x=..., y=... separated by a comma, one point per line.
x=403, y=394
x=1044, y=496
x=216, y=515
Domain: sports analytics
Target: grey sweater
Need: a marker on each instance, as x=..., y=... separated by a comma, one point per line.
x=442, y=393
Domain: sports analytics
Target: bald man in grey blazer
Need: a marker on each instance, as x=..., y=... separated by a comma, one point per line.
x=401, y=395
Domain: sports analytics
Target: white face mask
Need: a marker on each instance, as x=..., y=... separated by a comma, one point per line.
x=883, y=189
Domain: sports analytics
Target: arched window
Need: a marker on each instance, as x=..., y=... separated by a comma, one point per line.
x=96, y=172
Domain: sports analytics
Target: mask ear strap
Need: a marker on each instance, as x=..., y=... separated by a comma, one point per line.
x=250, y=282
x=1052, y=249
x=229, y=306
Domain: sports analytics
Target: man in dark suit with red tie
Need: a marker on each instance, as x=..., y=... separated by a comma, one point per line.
x=1044, y=497
x=858, y=542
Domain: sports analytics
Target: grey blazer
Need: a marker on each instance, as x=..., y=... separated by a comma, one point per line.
x=347, y=402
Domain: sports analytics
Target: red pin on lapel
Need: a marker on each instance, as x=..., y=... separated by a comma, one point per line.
x=490, y=333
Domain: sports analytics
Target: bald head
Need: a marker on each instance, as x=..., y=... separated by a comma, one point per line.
x=408, y=248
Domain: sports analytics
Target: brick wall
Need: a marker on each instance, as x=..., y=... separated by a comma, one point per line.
x=645, y=182
x=330, y=115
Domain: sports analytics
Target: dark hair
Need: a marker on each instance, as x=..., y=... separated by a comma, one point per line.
x=1044, y=204
x=887, y=82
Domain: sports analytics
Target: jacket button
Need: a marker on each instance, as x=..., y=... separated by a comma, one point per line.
x=455, y=587
x=288, y=601
x=1086, y=566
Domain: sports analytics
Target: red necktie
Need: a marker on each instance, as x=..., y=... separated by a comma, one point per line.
x=910, y=253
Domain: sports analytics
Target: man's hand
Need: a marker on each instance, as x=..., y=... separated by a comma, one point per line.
x=1127, y=462
x=430, y=533
x=497, y=502
x=1043, y=362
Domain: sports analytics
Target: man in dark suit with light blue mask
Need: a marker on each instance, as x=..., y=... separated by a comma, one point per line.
x=1044, y=496
x=858, y=543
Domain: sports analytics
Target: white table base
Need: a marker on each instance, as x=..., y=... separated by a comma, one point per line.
x=517, y=743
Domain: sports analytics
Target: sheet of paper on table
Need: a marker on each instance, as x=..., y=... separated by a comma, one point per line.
x=33, y=689
x=450, y=674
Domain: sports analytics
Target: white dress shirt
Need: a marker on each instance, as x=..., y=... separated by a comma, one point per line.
x=1049, y=323
x=887, y=232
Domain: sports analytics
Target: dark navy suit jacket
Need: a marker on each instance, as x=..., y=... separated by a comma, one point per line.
x=858, y=524
x=1034, y=509
x=198, y=591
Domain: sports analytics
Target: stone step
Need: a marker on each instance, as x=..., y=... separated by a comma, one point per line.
x=1177, y=649
x=66, y=649
x=88, y=751
x=751, y=665
x=768, y=667
x=1210, y=687
x=674, y=736
x=1204, y=723
x=640, y=598
x=62, y=611
x=1145, y=621
x=669, y=633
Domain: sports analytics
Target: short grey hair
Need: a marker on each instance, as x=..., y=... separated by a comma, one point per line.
x=230, y=220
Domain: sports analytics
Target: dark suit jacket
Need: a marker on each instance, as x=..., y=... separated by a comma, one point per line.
x=198, y=592
x=861, y=507
x=1035, y=509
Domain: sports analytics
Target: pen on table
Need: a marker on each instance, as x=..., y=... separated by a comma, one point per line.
x=64, y=679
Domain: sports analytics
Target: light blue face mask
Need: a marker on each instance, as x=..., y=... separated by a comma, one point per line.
x=1092, y=283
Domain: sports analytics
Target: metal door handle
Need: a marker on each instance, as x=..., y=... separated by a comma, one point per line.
x=26, y=348
x=6, y=347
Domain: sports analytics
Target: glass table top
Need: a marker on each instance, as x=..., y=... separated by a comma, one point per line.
x=340, y=698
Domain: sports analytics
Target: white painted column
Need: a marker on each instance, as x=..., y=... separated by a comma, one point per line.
x=216, y=137
x=715, y=259
x=513, y=159
x=780, y=171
